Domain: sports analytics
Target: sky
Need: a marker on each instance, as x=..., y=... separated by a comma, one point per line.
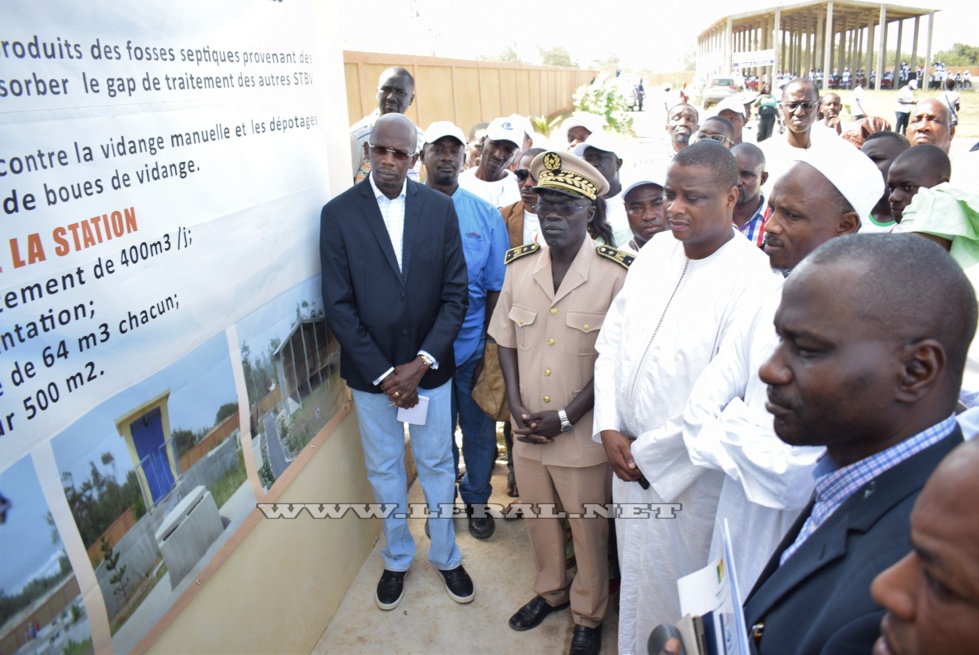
x=642, y=34
x=26, y=549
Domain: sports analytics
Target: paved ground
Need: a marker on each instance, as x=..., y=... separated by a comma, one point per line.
x=428, y=621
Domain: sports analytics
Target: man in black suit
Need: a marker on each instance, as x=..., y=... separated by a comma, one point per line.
x=394, y=288
x=874, y=332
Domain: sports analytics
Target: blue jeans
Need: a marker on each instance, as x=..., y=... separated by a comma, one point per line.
x=384, y=453
x=478, y=436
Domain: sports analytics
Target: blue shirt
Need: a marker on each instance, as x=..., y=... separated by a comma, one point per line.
x=834, y=485
x=484, y=245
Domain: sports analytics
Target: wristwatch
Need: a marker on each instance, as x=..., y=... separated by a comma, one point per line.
x=566, y=425
x=429, y=362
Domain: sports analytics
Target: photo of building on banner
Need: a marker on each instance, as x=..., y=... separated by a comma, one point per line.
x=161, y=177
x=155, y=479
x=291, y=364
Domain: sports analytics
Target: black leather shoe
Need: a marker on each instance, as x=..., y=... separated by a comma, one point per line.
x=586, y=641
x=532, y=614
x=459, y=585
x=390, y=589
x=482, y=526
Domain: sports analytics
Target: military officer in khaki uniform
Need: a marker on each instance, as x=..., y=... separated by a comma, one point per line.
x=550, y=310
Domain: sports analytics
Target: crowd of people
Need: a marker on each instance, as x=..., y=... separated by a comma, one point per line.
x=778, y=335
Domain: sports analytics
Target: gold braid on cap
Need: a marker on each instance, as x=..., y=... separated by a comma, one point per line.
x=553, y=177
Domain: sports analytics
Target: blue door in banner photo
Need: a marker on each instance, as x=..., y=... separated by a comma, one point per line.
x=151, y=447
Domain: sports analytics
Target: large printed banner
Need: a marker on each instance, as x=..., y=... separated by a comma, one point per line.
x=162, y=168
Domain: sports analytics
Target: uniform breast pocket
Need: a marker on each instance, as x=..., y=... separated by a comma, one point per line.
x=583, y=333
x=522, y=319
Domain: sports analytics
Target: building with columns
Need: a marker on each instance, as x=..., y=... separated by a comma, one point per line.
x=817, y=35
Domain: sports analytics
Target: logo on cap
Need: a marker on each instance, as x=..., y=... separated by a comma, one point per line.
x=552, y=161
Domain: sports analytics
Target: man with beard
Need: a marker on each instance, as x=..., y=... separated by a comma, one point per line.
x=492, y=180
x=395, y=92
x=870, y=370
x=882, y=148
x=724, y=426
x=749, y=213
x=682, y=121
x=682, y=295
x=484, y=245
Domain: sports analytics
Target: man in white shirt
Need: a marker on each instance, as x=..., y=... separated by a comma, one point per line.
x=682, y=294
x=905, y=100
x=395, y=93
x=803, y=133
x=725, y=425
x=492, y=180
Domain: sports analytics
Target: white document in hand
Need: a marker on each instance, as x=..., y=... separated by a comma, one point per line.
x=417, y=415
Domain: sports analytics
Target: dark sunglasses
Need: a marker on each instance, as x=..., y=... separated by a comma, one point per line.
x=522, y=174
x=380, y=151
x=806, y=106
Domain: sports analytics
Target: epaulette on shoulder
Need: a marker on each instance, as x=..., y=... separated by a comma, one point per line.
x=620, y=257
x=513, y=254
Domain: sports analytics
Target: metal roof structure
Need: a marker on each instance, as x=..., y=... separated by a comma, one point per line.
x=795, y=38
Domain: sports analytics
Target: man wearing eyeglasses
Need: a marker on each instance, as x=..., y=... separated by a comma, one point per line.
x=551, y=308
x=484, y=244
x=717, y=129
x=803, y=132
x=394, y=292
x=395, y=92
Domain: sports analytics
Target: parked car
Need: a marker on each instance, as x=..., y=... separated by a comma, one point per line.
x=720, y=88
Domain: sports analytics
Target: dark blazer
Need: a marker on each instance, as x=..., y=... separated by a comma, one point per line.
x=382, y=316
x=819, y=600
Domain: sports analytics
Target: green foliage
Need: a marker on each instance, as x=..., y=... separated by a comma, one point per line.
x=77, y=612
x=268, y=479
x=98, y=501
x=604, y=97
x=959, y=55
x=544, y=126
x=36, y=588
x=556, y=56
x=77, y=647
x=118, y=577
x=508, y=55
x=225, y=486
x=226, y=410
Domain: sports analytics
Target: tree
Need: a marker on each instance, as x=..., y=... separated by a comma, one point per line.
x=959, y=55
x=604, y=97
x=99, y=500
x=111, y=559
x=508, y=55
x=226, y=410
x=556, y=56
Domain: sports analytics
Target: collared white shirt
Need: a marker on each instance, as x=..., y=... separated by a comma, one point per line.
x=393, y=213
